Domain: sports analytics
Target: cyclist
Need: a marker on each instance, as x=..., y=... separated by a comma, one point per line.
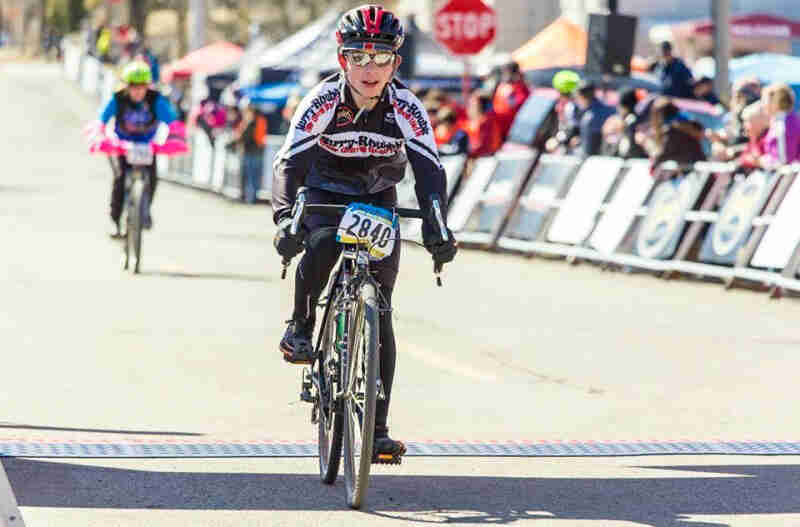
x=138, y=109
x=349, y=141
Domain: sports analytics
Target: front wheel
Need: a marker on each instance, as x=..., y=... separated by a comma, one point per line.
x=136, y=211
x=361, y=383
x=330, y=422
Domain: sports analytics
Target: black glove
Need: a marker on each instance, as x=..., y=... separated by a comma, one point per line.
x=287, y=245
x=441, y=251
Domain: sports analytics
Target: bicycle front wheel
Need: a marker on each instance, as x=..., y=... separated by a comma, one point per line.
x=361, y=392
x=136, y=211
x=330, y=422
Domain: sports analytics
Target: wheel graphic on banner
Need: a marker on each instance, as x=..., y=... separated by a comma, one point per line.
x=661, y=228
x=737, y=215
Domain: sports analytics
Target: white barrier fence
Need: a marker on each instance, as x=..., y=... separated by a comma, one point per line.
x=710, y=221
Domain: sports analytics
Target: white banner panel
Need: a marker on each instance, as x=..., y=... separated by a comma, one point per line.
x=471, y=192
x=783, y=234
x=576, y=217
x=621, y=211
x=202, y=158
x=90, y=75
x=72, y=61
x=220, y=155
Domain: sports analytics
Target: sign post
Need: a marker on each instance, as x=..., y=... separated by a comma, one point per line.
x=465, y=27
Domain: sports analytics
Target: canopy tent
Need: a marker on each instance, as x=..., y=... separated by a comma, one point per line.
x=288, y=50
x=750, y=33
x=767, y=67
x=562, y=43
x=209, y=59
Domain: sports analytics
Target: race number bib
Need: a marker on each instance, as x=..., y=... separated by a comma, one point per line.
x=140, y=154
x=373, y=227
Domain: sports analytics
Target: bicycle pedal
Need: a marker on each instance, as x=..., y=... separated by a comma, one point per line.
x=387, y=459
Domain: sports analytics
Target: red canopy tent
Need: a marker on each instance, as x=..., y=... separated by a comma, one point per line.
x=755, y=25
x=209, y=59
x=562, y=43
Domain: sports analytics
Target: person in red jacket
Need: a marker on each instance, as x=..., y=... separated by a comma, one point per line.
x=509, y=97
x=482, y=127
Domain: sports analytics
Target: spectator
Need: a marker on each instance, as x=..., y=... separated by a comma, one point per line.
x=250, y=135
x=703, y=90
x=482, y=127
x=782, y=142
x=450, y=137
x=624, y=127
x=288, y=112
x=673, y=136
x=676, y=79
x=179, y=90
x=511, y=93
x=564, y=82
x=585, y=133
x=756, y=123
x=209, y=115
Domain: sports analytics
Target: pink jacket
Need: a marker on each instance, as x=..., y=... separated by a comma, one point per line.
x=782, y=142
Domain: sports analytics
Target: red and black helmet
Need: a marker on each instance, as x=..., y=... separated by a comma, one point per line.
x=369, y=27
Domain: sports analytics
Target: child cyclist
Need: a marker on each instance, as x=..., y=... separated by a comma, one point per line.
x=137, y=109
x=349, y=141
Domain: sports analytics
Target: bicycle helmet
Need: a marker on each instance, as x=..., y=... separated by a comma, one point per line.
x=137, y=72
x=565, y=81
x=369, y=27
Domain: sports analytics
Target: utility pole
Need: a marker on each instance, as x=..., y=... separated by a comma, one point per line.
x=721, y=16
x=197, y=17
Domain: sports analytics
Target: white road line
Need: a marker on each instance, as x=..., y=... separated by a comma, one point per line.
x=9, y=511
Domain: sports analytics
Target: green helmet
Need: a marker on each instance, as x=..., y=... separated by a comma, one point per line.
x=565, y=81
x=137, y=72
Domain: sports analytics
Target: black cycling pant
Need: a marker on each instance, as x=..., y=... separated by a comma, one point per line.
x=322, y=252
x=118, y=185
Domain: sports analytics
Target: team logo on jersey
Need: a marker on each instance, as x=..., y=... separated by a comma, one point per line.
x=413, y=115
x=318, y=106
x=389, y=117
x=344, y=116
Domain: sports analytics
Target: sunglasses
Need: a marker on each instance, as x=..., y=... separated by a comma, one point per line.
x=360, y=58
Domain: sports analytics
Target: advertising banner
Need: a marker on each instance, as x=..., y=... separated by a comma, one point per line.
x=471, y=192
x=90, y=75
x=783, y=234
x=744, y=202
x=634, y=187
x=489, y=212
x=72, y=61
x=548, y=183
x=202, y=159
x=577, y=216
x=274, y=143
x=661, y=230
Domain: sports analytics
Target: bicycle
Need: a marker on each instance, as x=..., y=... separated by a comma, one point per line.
x=137, y=191
x=342, y=382
x=136, y=203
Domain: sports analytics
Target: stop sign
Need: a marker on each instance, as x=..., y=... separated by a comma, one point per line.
x=465, y=26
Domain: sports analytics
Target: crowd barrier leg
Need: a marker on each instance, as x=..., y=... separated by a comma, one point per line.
x=746, y=253
x=690, y=239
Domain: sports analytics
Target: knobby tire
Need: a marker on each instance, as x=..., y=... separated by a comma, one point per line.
x=362, y=359
x=330, y=423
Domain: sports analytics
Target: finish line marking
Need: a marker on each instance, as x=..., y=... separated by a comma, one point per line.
x=441, y=448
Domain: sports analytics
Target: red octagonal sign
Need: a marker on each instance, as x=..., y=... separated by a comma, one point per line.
x=465, y=26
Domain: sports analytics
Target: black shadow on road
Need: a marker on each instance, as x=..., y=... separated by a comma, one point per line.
x=15, y=426
x=747, y=489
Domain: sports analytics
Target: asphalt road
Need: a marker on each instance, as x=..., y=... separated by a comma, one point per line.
x=510, y=348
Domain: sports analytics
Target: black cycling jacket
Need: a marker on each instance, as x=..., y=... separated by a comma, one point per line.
x=332, y=145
